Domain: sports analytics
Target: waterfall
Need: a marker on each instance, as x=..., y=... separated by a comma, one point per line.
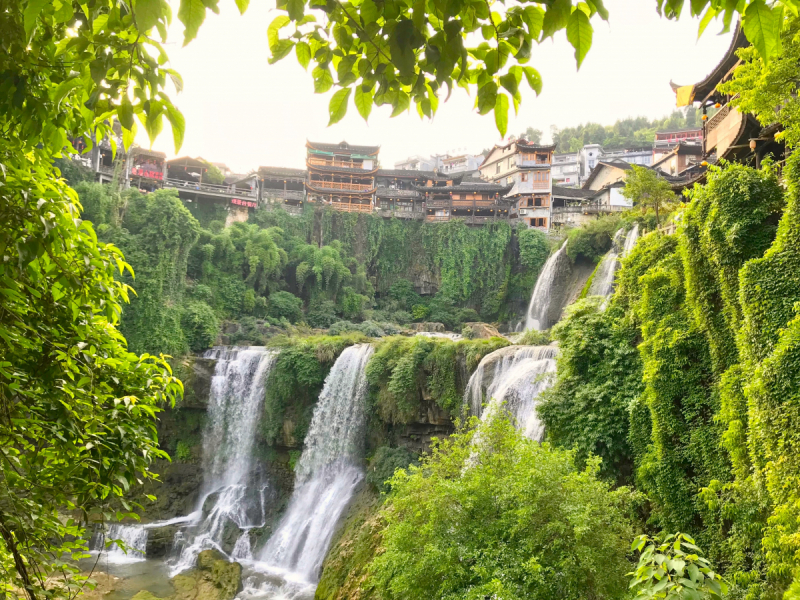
x=540, y=310
x=231, y=500
x=603, y=281
x=134, y=537
x=516, y=376
x=327, y=473
x=630, y=240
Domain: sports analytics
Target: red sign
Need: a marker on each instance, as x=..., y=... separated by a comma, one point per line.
x=246, y=203
x=147, y=173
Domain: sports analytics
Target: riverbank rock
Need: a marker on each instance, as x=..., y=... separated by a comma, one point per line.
x=214, y=578
x=482, y=331
x=105, y=584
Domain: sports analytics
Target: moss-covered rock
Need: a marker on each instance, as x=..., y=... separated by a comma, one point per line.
x=214, y=578
x=358, y=539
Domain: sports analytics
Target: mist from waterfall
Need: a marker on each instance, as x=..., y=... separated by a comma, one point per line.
x=134, y=537
x=513, y=378
x=230, y=493
x=539, y=308
x=327, y=473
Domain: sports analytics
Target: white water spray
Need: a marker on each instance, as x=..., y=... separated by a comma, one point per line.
x=540, y=307
x=133, y=536
x=327, y=473
x=513, y=377
x=237, y=393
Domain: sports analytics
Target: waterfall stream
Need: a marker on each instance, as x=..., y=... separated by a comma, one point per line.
x=133, y=536
x=630, y=239
x=327, y=473
x=540, y=310
x=232, y=498
x=603, y=281
x=513, y=377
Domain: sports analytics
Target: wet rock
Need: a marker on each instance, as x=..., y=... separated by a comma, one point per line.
x=159, y=541
x=214, y=578
x=145, y=595
x=481, y=330
x=196, y=373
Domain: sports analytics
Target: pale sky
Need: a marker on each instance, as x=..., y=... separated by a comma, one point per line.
x=244, y=112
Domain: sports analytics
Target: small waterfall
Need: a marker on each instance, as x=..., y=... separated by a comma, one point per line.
x=603, y=281
x=134, y=537
x=436, y=334
x=327, y=473
x=630, y=240
x=231, y=501
x=516, y=376
x=540, y=309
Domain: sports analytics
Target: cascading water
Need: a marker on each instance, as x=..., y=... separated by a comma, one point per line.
x=513, y=377
x=540, y=310
x=133, y=536
x=630, y=240
x=603, y=281
x=230, y=498
x=327, y=473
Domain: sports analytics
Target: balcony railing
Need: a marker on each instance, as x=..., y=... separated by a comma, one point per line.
x=329, y=162
x=222, y=190
x=336, y=185
x=590, y=209
x=523, y=162
x=348, y=207
x=105, y=170
x=439, y=203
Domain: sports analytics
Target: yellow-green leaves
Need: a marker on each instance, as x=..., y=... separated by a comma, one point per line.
x=148, y=13
x=363, y=100
x=501, y=113
x=178, y=125
x=191, y=13
x=579, y=34
x=762, y=26
x=337, y=108
x=323, y=80
x=31, y=13
x=303, y=52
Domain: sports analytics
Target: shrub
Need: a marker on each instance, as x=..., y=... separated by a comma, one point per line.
x=384, y=464
x=285, y=305
x=200, y=325
x=372, y=329
x=592, y=240
x=183, y=452
x=400, y=317
x=341, y=327
x=534, y=338
x=322, y=314
x=402, y=291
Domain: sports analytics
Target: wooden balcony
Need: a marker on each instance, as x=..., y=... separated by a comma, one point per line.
x=439, y=203
x=329, y=162
x=221, y=191
x=348, y=207
x=337, y=185
x=723, y=130
x=540, y=185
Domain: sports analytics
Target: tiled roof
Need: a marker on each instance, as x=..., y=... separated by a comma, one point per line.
x=567, y=192
x=405, y=173
x=344, y=147
x=281, y=172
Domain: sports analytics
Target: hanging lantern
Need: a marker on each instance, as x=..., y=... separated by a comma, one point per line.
x=704, y=117
x=704, y=163
x=717, y=105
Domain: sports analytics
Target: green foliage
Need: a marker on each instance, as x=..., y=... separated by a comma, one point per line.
x=599, y=376
x=200, y=326
x=403, y=370
x=534, y=338
x=647, y=189
x=593, y=240
x=672, y=567
x=213, y=175
x=79, y=410
x=383, y=465
x=183, y=452
x=285, y=305
x=296, y=379
x=502, y=516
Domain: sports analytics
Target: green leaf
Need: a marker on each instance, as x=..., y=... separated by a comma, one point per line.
x=556, y=17
x=368, y=12
x=295, y=9
x=30, y=15
x=534, y=79
x=147, y=13
x=363, y=102
x=337, y=108
x=704, y=22
x=191, y=13
x=280, y=51
x=510, y=82
x=99, y=24
x=501, y=114
x=178, y=124
x=762, y=27
x=401, y=103
x=125, y=113
x=242, y=5
x=599, y=8
x=534, y=19
x=579, y=34
x=323, y=80
x=303, y=52
x=277, y=24
x=128, y=136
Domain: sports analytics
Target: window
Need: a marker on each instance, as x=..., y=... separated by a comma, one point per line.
x=530, y=202
x=537, y=202
x=509, y=179
x=524, y=177
x=497, y=170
